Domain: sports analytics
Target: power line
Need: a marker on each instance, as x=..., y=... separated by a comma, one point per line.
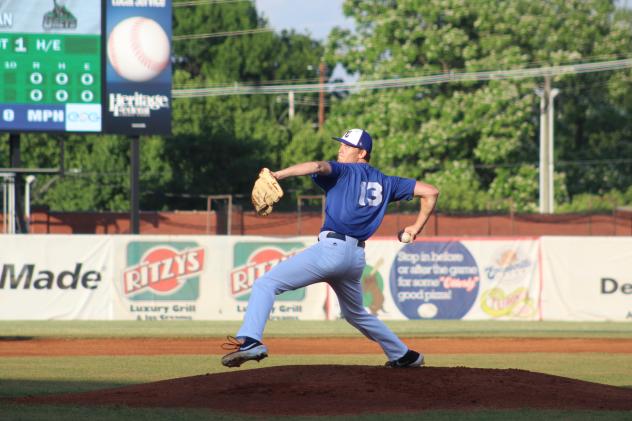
x=192, y=84
x=559, y=163
x=448, y=77
x=222, y=34
x=529, y=64
x=590, y=162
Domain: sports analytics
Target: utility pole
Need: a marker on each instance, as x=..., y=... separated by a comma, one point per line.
x=547, y=96
x=290, y=100
x=321, y=98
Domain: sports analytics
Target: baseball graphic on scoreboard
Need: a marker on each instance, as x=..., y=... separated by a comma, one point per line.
x=138, y=49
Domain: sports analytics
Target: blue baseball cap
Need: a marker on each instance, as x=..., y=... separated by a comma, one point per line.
x=357, y=138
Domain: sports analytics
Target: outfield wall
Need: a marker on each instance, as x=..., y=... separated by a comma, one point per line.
x=125, y=277
x=246, y=222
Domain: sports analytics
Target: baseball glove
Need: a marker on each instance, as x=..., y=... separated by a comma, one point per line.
x=266, y=192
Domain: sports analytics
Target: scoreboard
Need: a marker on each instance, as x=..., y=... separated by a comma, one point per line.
x=45, y=69
x=50, y=66
x=53, y=67
x=51, y=82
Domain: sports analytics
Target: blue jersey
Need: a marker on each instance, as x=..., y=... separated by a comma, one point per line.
x=357, y=197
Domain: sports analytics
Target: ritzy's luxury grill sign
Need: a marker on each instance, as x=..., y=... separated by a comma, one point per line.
x=163, y=270
x=31, y=276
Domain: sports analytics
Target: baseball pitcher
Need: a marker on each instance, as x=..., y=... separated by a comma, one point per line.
x=357, y=196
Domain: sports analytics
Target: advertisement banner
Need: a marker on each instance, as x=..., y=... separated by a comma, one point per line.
x=60, y=277
x=204, y=278
x=434, y=280
x=138, y=67
x=510, y=279
x=130, y=277
x=160, y=280
x=253, y=257
x=587, y=279
x=452, y=279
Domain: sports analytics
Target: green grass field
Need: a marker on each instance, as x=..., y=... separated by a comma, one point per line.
x=22, y=376
x=300, y=329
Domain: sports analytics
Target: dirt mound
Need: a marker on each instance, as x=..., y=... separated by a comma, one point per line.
x=333, y=390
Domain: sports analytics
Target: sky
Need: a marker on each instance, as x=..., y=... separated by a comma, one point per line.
x=314, y=18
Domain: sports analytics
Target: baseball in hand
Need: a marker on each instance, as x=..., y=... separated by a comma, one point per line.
x=138, y=49
x=405, y=237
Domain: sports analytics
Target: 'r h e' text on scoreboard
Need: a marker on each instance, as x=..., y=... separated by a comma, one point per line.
x=53, y=66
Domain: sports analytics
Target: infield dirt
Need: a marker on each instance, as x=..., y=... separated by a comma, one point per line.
x=337, y=390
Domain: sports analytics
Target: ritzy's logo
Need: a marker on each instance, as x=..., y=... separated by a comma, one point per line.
x=253, y=260
x=163, y=271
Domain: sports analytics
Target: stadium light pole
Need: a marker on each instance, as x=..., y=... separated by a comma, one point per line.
x=27, y=202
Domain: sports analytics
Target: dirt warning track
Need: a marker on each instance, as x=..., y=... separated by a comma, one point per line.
x=21, y=347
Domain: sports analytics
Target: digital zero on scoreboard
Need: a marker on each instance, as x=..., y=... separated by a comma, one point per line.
x=93, y=66
x=50, y=65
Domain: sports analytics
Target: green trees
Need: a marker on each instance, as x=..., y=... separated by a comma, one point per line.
x=477, y=140
x=485, y=134
x=218, y=143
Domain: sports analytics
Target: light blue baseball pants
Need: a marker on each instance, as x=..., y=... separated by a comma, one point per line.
x=338, y=262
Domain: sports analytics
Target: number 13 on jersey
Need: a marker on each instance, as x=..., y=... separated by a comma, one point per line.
x=370, y=193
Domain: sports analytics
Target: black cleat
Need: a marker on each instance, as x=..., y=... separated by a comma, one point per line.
x=410, y=359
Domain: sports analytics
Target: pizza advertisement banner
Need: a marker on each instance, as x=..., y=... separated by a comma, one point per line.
x=453, y=279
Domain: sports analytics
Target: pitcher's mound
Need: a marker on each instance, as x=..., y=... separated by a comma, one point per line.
x=343, y=389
